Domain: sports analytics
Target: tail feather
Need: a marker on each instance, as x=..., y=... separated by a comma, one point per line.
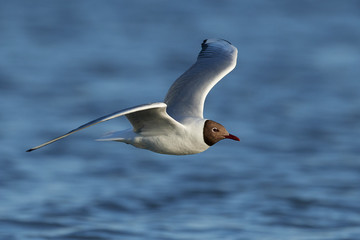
x=120, y=136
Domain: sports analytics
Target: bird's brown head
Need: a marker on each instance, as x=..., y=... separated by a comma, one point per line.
x=214, y=132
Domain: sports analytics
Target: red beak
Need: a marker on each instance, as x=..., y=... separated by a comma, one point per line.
x=230, y=136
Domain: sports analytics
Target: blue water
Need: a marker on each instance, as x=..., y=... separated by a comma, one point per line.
x=293, y=100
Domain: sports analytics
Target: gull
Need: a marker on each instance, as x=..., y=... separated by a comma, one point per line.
x=176, y=126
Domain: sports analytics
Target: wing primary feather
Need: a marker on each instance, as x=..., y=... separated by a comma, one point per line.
x=102, y=119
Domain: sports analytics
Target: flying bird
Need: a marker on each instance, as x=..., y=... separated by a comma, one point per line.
x=176, y=126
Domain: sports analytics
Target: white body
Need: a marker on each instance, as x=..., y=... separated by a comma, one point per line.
x=166, y=142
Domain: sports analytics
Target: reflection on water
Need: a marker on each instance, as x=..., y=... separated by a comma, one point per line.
x=293, y=100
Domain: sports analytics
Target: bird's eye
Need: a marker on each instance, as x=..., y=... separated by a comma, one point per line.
x=215, y=129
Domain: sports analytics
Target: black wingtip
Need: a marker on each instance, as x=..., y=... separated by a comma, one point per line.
x=29, y=150
x=204, y=44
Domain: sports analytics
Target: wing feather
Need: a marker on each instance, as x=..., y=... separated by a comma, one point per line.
x=127, y=111
x=152, y=121
x=187, y=95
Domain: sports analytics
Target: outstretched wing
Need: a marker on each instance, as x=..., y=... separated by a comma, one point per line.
x=186, y=96
x=140, y=110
